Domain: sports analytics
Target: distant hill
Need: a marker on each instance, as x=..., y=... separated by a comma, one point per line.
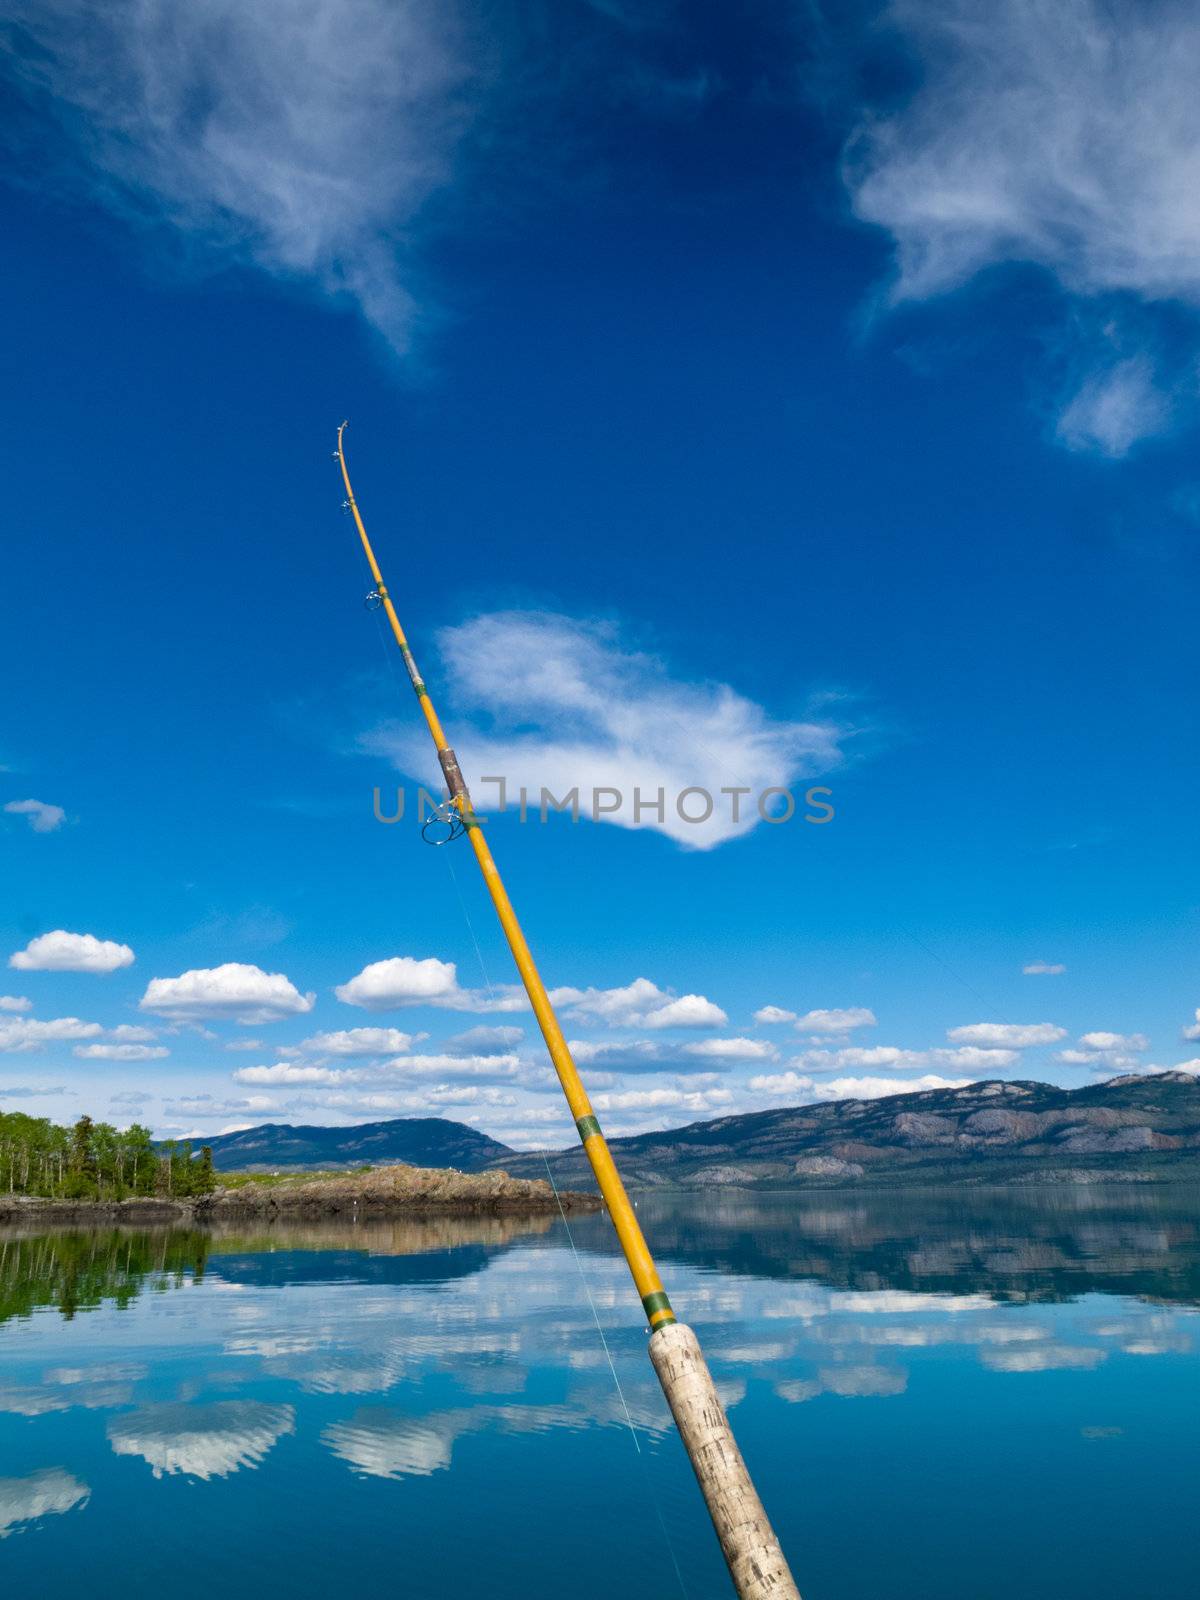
x=420, y=1141
x=1127, y=1129
x=1134, y=1129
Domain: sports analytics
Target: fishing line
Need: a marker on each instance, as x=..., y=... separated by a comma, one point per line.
x=612, y=1367
x=608, y=1356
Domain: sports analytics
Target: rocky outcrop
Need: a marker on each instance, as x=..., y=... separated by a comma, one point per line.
x=394, y=1191
x=391, y=1191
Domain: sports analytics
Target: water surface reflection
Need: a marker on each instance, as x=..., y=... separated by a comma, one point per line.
x=993, y=1383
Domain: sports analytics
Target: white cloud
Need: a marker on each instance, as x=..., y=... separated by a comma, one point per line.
x=819, y=1022
x=71, y=952
x=24, y=1033
x=768, y=1015
x=15, y=1002
x=1007, y=1035
x=640, y=1004
x=41, y=817
x=735, y=1049
x=792, y=1083
x=120, y=1052
x=1114, y=1041
x=289, y=1072
x=235, y=991
x=966, y=1058
x=1044, y=969
x=563, y=706
x=698, y=1100
x=400, y=981
x=1067, y=136
x=1114, y=408
x=454, y=1066
x=782, y=1083
x=359, y=1042
x=1106, y=1052
x=408, y=981
x=1193, y=1032
x=302, y=139
x=401, y=1068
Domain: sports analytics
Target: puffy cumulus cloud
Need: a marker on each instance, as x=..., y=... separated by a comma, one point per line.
x=209, y=1441
x=1006, y=1035
x=360, y=1042
x=1065, y=136
x=15, y=1002
x=735, y=1049
x=1114, y=1041
x=290, y=1072
x=235, y=992
x=640, y=1004
x=815, y=1023
x=121, y=1052
x=1044, y=969
x=564, y=708
x=402, y=981
x=302, y=139
x=26, y=1033
x=71, y=952
x=42, y=1494
x=776, y=1084
x=1106, y=1052
x=1193, y=1030
x=768, y=1016
x=42, y=818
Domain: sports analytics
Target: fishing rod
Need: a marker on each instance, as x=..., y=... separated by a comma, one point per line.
x=756, y=1563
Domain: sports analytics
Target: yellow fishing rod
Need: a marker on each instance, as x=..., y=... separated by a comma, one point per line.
x=751, y=1550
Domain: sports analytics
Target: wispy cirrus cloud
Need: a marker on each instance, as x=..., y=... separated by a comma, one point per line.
x=1065, y=137
x=302, y=140
x=560, y=704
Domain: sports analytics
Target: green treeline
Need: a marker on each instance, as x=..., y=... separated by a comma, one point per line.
x=95, y=1161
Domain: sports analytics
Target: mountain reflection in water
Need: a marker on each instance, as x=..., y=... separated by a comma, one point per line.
x=995, y=1383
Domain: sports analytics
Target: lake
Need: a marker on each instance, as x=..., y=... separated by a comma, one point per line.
x=964, y=1395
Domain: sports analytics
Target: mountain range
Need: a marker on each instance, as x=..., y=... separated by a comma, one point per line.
x=419, y=1141
x=1144, y=1128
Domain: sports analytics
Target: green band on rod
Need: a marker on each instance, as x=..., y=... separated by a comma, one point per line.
x=657, y=1302
x=587, y=1127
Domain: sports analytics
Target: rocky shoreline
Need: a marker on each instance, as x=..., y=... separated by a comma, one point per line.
x=394, y=1191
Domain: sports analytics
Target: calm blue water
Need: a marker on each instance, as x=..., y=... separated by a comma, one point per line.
x=958, y=1398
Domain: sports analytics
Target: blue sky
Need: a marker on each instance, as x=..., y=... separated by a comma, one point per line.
x=733, y=402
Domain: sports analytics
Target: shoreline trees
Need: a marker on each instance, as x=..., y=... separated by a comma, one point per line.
x=96, y=1161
